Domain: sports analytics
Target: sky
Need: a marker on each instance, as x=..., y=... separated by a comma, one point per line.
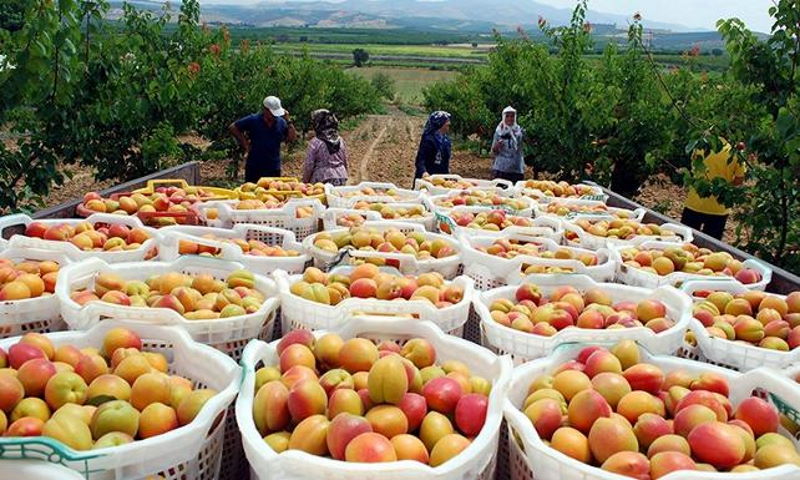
x=692, y=13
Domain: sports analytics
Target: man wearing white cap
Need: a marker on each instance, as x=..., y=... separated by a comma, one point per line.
x=265, y=133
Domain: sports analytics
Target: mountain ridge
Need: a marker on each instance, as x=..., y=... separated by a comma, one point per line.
x=466, y=14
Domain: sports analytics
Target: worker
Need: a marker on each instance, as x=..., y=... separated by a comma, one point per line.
x=706, y=214
x=265, y=131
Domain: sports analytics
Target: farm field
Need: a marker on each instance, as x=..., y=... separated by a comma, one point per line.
x=409, y=82
x=382, y=49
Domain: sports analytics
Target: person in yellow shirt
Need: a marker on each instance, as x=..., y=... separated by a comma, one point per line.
x=706, y=214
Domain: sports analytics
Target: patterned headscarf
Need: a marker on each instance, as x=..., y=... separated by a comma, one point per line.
x=436, y=121
x=326, y=127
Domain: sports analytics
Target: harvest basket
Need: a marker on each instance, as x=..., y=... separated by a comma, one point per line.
x=229, y=335
x=547, y=227
x=337, y=196
x=285, y=217
x=524, y=346
x=41, y=314
x=740, y=356
x=297, y=312
x=674, y=234
x=145, y=250
x=540, y=209
x=279, y=194
x=477, y=462
x=426, y=184
x=635, y=276
x=532, y=459
x=192, y=451
x=406, y=263
x=332, y=216
x=262, y=265
x=491, y=271
x=522, y=188
x=216, y=193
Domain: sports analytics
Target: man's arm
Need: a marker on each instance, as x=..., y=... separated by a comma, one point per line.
x=291, y=132
x=239, y=136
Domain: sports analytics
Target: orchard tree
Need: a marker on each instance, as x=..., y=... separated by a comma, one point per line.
x=769, y=200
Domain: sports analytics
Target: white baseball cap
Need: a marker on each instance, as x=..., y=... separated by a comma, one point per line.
x=273, y=104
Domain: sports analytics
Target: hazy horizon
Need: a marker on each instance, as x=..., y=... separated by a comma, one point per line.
x=689, y=13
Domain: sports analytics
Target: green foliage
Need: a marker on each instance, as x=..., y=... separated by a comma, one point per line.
x=12, y=14
x=113, y=96
x=622, y=118
x=578, y=115
x=769, y=200
x=384, y=85
x=360, y=57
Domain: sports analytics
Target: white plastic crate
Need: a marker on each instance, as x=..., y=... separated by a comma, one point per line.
x=284, y=217
x=540, y=209
x=675, y=234
x=498, y=184
x=229, y=335
x=740, y=356
x=526, y=211
x=330, y=219
x=262, y=265
x=72, y=251
x=546, y=463
x=476, y=462
x=548, y=227
x=297, y=312
x=521, y=189
x=491, y=271
x=526, y=346
x=720, y=284
x=638, y=277
x=337, y=199
x=192, y=451
x=36, y=470
x=41, y=314
x=407, y=263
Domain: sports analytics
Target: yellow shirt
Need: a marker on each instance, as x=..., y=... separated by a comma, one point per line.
x=718, y=165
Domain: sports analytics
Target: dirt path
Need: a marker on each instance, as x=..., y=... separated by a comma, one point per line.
x=363, y=165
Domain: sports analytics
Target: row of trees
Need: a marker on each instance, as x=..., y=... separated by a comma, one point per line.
x=619, y=120
x=113, y=96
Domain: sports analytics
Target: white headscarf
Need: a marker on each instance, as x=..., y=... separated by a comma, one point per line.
x=514, y=130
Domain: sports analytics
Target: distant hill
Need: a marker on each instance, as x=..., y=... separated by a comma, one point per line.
x=462, y=15
x=444, y=17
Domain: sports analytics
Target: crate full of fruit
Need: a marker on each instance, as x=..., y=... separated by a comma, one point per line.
x=396, y=400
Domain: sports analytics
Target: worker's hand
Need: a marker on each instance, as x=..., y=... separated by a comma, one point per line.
x=286, y=116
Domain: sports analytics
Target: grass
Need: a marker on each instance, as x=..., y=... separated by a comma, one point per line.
x=409, y=82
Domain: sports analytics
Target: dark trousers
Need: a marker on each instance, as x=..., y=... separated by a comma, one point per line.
x=511, y=177
x=252, y=173
x=711, y=225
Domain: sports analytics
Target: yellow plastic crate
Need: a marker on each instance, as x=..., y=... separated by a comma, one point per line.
x=279, y=194
x=217, y=192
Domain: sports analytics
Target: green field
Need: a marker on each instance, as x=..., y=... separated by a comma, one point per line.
x=409, y=82
x=452, y=51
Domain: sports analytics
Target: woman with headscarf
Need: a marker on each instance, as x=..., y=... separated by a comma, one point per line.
x=433, y=156
x=507, y=147
x=326, y=160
